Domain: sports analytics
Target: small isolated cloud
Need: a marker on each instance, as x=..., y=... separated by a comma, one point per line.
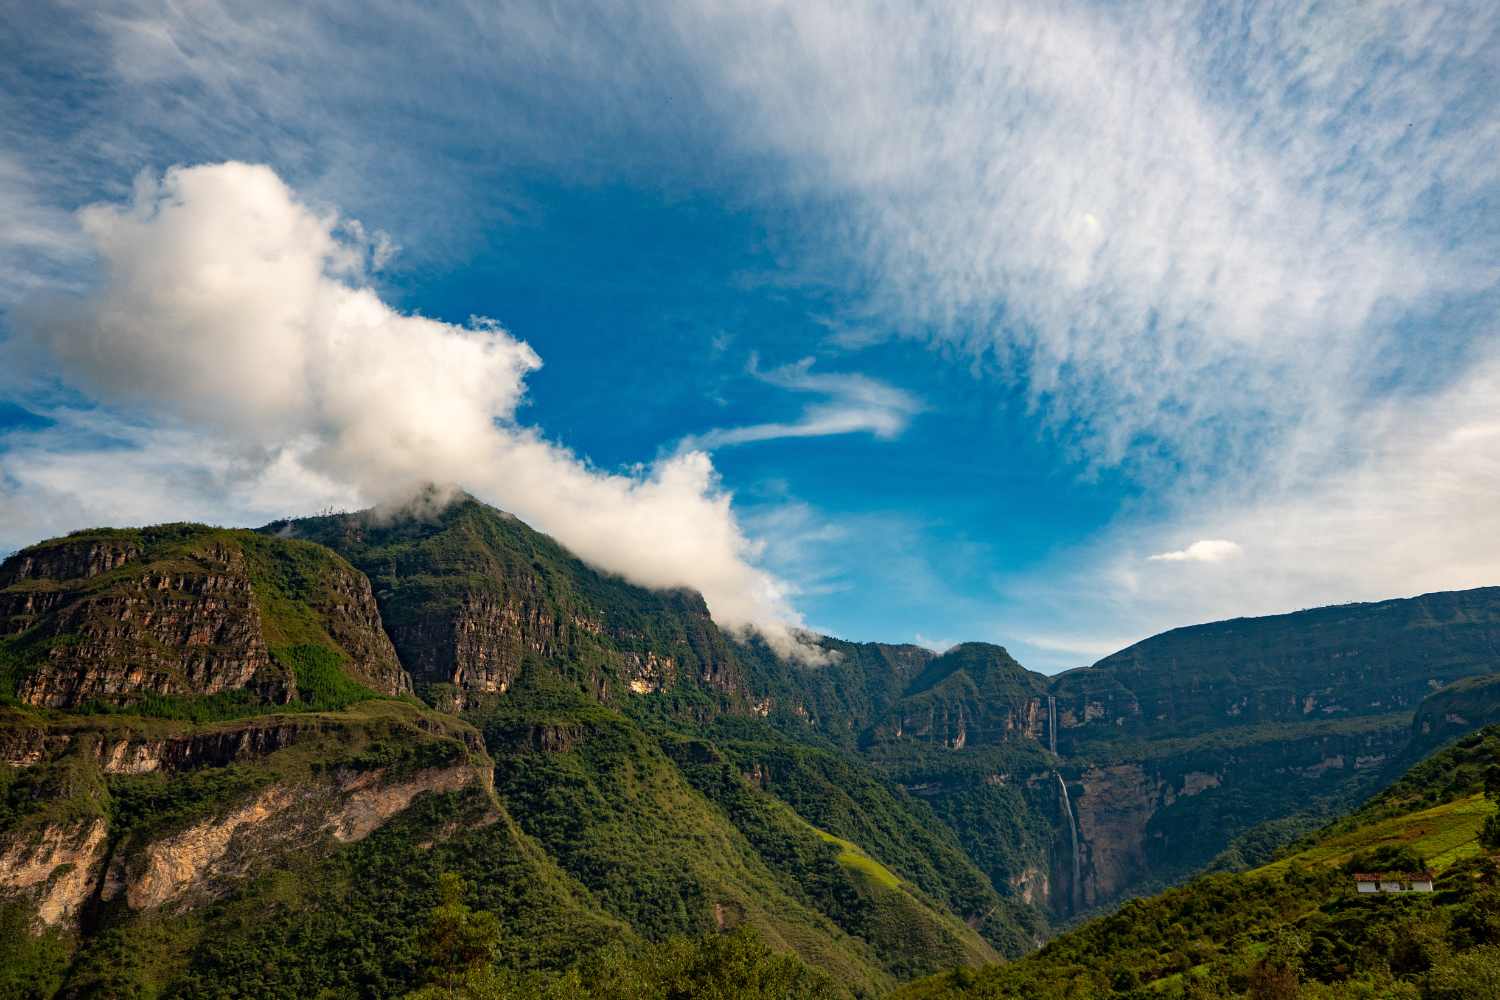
x=1083, y=645
x=1209, y=550
x=936, y=645
x=851, y=404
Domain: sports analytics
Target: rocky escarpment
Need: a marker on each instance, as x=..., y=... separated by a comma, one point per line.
x=470, y=595
x=1453, y=711
x=202, y=861
x=974, y=693
x=146, y=746
x=1336, y=662
x=181, y=611
x=1165, y=815
x=189, y=626
x=249, y=793
x=56, y=866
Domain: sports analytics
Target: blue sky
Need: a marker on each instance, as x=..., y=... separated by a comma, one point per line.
x=1051, y=325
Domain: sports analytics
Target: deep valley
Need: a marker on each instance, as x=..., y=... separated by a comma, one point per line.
x=240, y=763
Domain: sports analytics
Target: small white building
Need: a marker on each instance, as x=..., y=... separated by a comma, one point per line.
x=1397, y=882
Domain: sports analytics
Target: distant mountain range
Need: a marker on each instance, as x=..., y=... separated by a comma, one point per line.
x=236, y=756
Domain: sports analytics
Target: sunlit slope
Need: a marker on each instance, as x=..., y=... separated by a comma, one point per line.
x=1441, y=836
x=1296, y=926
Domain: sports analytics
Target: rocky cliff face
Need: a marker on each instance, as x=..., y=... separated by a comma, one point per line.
x=1164, y=816
x=79, y=848
x=1453, y=711
x=470, y=595
x=975, y=694
x=189, y=626
x=1337, y=662
x=56, y=866
x=180, y=610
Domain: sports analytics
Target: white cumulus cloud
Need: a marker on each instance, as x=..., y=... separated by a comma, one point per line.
x=239, y=314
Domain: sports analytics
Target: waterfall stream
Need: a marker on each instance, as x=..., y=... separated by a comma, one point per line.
x=1052, y=723
x=1077, y=887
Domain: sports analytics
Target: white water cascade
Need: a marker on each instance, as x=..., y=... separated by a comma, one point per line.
x=1077, y=887
x=1052, y=723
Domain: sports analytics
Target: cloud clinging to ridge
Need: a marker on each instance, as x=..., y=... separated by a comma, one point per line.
x=1215, y=243
x=228, y=306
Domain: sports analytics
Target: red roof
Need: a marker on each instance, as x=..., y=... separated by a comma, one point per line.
x=1394, y=877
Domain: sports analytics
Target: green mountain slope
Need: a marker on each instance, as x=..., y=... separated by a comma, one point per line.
x=603, y=799
x=148, y=854
x=200, y=727
x=552, y=625
x=844, y=796
x=1348, y=660
x=1297, y=926
x=468, y=592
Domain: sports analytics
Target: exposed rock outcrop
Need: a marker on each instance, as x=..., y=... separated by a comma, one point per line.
x=183, y=610
x=56, y=866
x=202, y=861
x=370, y=768
x=191, y=628
x=469, y=595
x=1165, y=816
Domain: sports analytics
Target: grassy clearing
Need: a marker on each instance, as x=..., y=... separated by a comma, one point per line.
x=850, y=856
x=1443, y=835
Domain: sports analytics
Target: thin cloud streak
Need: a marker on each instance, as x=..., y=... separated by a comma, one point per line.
x=853, y=404
x=1205, y=550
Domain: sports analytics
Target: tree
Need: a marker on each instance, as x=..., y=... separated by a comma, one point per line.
x=457, y=941
x=1492, y=782
x=1277, y=975
x=1271, y=981
x=1471, y=976
x=1489, y=834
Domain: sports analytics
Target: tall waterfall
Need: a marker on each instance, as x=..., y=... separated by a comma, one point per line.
x=1077, y=887
x=1052, y=723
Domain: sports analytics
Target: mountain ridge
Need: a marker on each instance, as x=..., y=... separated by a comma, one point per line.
x=889, y=812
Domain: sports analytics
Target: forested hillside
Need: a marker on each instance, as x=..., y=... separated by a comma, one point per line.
x=269, y=763
x=1297, y=927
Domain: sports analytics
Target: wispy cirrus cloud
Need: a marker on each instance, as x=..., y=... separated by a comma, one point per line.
x=1186, y=232
x=851, y=404
x=1238, y=251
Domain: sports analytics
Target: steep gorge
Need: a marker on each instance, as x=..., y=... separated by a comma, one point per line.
x=187, y=709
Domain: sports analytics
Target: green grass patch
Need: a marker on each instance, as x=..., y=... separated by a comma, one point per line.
x=1441, y=835
x=321, y=681
x=850, y=856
